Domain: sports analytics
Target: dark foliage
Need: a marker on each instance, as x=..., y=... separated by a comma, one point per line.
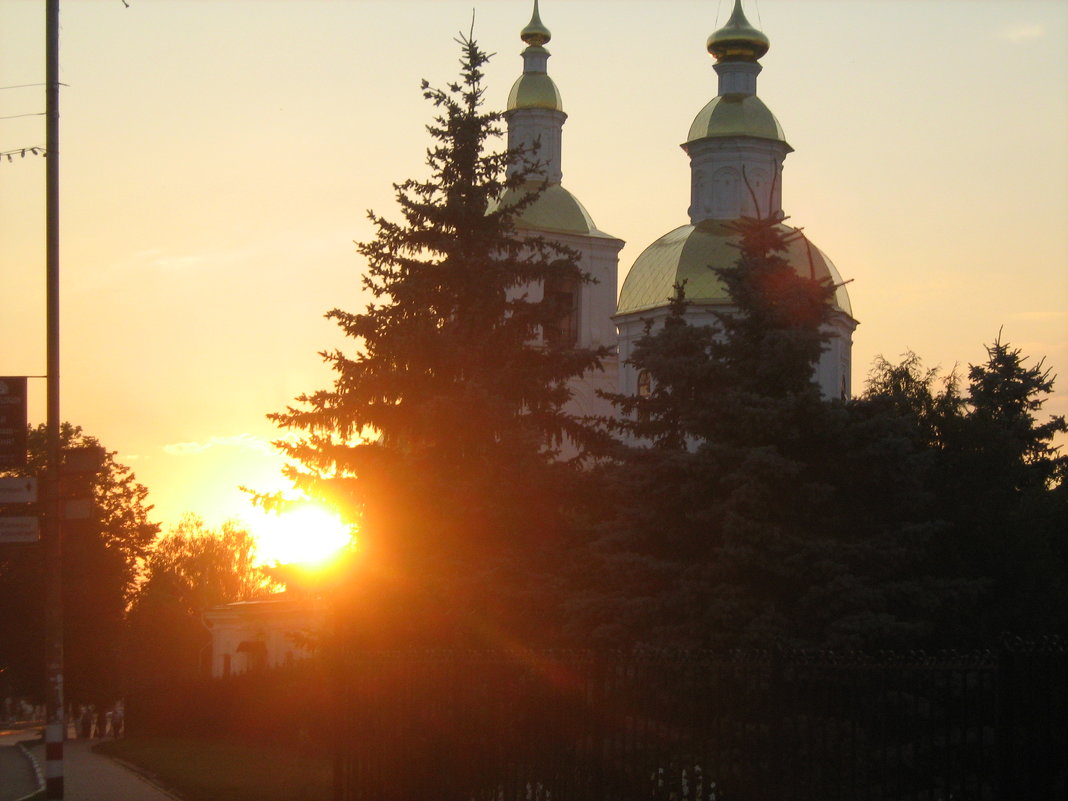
x=997, y=487
x=745, y=510
x=189, y=570
x=102, y=559
x=440, y=434
x=739, y=511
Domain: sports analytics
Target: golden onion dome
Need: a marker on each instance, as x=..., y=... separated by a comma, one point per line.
x=738, y=40
x=534, y=90
x=736, y=115
x=688, y=253
x=535, y=34
x=555, y=210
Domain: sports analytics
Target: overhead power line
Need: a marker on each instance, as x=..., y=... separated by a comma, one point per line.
x=21, y=153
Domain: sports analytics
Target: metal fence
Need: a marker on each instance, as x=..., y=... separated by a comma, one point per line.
x=698, y=727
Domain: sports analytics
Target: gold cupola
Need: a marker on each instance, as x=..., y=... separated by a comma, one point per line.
x=535, y=34
x=738, y=40
x=534, y=88
x=736, y=111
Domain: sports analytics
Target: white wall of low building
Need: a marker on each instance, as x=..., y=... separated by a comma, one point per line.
x=269, y=634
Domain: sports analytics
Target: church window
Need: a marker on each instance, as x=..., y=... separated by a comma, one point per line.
x=562, y=296
x=645, y=384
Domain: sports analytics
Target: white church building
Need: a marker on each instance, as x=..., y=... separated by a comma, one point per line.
x=736, y=149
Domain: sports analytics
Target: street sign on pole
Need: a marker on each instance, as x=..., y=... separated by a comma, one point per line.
x=20, y=489
x=18, y=529
x=12, y=421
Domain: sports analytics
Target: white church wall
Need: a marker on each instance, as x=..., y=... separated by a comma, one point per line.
x=831, y=372
x=727, y=173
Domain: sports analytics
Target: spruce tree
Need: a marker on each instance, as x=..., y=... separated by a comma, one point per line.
x=744, y=500
x=441, y=434
x=1007, y=497
x=995, y=486
x=1005, y=395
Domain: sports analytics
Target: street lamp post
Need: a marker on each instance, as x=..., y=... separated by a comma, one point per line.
x=55, y=728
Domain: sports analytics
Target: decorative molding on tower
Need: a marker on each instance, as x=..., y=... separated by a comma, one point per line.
x=736, y=149
x=535, y=112
x=535, y=119
x=735, y=144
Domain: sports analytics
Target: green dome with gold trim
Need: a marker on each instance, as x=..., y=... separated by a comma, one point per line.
x=736, y=115
x=556, y=210
x=535, y=90
x=688, y=253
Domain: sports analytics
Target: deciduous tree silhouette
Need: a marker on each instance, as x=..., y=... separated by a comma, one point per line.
x=102, y=559
x=189, y=570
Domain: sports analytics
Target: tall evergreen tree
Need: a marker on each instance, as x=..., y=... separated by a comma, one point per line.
x=996, y=487
x=744, y=500
x=1004, y=396
x=441, y=433
x=762, y=350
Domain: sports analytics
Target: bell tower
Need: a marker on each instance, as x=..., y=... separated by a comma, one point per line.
x=535, y=118
x=736, y=149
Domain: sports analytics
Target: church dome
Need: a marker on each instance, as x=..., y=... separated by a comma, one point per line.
x=736, y=115
x=556, y=210
x=687, y=253
x=738, y=40
x=536, y=34
x=535, y=90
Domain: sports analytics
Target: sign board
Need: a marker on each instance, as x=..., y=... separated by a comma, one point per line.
x=19, y=489
x=85, y=459
x=18, y=529
x=12, y=421
x=77, y=509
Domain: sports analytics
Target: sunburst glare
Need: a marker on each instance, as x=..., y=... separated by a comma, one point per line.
x=306, y=534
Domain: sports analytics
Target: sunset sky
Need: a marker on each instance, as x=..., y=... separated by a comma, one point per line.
x=218, y=158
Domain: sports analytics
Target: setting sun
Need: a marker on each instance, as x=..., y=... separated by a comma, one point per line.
x=307, y=535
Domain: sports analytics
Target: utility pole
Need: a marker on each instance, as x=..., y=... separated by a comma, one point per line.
x=55, y=728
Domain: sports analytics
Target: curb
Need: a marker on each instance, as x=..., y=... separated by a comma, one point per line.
x=36, y=770
x=145, y=776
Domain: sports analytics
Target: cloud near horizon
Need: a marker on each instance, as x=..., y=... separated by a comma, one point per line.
x=1022, y=33
x=243, y=441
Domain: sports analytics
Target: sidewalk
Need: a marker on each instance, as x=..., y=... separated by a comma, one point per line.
x=91, y=777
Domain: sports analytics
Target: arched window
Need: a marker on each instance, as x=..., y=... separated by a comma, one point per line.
x=562, y=295
x=645, y=384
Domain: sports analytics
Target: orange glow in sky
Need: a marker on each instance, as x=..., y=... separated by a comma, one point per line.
x=218, y=159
